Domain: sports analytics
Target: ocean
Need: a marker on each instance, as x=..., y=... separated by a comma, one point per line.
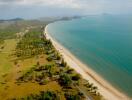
x=102, y=42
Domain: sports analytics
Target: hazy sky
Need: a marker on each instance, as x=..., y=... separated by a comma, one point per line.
x=40, y=8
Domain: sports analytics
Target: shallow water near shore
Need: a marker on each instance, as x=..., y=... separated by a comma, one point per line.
x=102, y=42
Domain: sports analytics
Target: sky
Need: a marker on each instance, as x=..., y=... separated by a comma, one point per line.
x=42, y=8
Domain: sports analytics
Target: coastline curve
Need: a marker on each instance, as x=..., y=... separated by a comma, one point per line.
x=105, y=88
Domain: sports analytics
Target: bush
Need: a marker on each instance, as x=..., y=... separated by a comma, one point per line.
x=65, y=80
x=49, y=58
x=69, y=71
x=63, y=63
x=70, y=96
x=48, y=95
x=76, y=77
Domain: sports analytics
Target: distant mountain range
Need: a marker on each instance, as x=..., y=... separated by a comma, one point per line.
x=42, y=19
x=15, y=19
x=58, y=18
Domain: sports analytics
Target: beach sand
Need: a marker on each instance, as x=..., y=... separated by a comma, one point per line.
x=104, y=88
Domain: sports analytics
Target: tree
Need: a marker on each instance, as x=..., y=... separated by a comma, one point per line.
x=70, y=96
x=69, y=70
x=43, y=95
x=58, y=56
x=49, y=58
x=49, y=68
x=65, y=80
x=63, y=63
x=76, y=77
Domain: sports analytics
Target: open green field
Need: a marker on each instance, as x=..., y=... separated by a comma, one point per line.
x=5, y=58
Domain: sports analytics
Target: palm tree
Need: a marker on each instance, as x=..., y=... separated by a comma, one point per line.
x=49, y=68
x=63, y=63
x=65, y=80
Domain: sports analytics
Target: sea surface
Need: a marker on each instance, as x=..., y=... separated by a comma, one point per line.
x=103, y=42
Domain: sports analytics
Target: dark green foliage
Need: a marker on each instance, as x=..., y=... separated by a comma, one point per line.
x=63, y=63
x=49, y=58
x=65, y=80
x=81, y=94
x=70, y=96
x=57, y=55
x=38, y=74
x=30, y=45
x=53, y=55
x=76, y=77
x=69, y=71
x=43, y=95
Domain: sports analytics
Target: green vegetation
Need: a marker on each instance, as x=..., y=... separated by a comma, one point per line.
x=5, y=57
x=48, y=95
x=28, y=47
x=55, y=70
x=8, y=29
x=39, y=71
x=70, y=96
x=65, y=80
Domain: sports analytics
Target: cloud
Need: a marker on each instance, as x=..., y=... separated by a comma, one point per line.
x=59, y=3
x=63, y=7
x=9, y=0
x=78, y=4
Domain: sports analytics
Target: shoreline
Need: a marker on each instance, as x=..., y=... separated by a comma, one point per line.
x=104, y=88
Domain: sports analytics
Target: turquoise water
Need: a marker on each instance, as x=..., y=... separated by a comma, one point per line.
x=102, y=42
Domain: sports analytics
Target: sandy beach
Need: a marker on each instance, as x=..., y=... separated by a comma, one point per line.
x=106, y=90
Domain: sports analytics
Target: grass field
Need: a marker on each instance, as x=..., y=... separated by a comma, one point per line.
x=5, y=58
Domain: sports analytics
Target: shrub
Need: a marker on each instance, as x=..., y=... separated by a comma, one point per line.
x=70, y=96
x=63, y=63
x=49, y=58
x=48, y=95
x=76, y=77
x=65, y=80
x=69, y=71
